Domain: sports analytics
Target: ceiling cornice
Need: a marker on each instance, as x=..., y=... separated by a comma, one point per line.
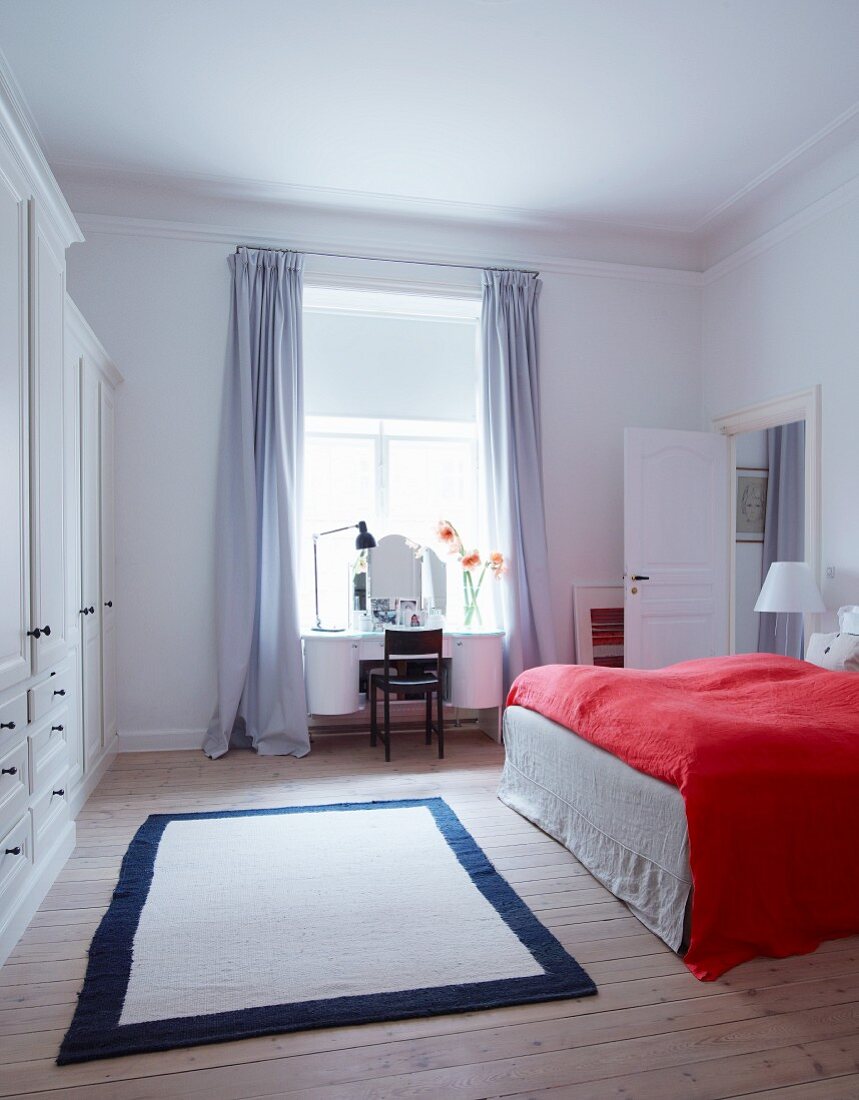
x=359, y=249
x=16, y=119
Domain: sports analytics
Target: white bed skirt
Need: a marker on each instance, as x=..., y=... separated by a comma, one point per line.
x=626, y=827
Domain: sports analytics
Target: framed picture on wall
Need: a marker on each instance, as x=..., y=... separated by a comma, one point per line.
x=598, y=624
x=751, y=504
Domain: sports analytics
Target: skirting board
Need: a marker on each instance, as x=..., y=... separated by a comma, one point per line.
x=158, y=740
x=40, y=883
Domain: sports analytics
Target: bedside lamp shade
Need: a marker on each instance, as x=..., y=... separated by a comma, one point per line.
x=790, y=586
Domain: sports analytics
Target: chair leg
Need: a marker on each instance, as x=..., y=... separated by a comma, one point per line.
x=387, y=726
x=440, y=729
x=374, y=731
x=429, y=718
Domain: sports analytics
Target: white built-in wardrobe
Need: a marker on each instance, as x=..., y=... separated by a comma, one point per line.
x=57, y=592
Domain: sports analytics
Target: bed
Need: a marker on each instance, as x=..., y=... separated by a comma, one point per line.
x=737, y=775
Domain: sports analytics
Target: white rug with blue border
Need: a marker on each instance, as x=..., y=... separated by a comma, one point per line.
x=252, y=922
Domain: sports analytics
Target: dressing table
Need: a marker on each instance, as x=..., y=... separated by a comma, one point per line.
x=336, y=664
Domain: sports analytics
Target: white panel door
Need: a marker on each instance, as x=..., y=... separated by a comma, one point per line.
x=108, y=563
x=14, y=434
x=48, y=610
x=90, y=618
x=676, y=546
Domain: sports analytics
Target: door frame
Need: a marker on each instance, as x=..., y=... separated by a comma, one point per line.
x=804, y=405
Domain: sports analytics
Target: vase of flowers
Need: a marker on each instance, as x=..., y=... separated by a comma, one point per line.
x=474, y=569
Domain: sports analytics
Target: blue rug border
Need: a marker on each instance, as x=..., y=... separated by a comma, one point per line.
x=95, y=1031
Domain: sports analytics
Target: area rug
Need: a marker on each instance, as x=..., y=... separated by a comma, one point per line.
x=253, y=922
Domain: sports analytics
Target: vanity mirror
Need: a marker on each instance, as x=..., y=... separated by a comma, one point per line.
x=395, y=572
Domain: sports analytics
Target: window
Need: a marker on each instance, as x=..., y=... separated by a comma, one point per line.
x=391, y=427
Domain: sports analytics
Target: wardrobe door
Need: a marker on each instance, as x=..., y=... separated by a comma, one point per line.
x=108, y=564
x=91, y=564
x=47, y=300
x=14, y=434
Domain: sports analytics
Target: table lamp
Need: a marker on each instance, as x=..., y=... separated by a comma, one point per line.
x=790, y=587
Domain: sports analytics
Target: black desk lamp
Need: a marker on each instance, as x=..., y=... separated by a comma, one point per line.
x=364, y=541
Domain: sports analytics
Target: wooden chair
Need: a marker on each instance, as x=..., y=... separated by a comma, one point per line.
x=415, y=645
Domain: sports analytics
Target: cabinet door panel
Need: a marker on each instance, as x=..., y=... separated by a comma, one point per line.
x=46, y=448
x=108, y=563
x=14, y=435
x=91, y=563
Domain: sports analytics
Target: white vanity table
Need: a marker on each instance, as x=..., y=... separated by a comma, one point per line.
x=333, y=670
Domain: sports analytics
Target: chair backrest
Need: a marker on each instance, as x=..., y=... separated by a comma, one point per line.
x=414, y=643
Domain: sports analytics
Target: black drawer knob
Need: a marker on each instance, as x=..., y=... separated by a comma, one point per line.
x=7, y=725
x=92, y=610
x=59, y=729
x=84, y=611
x=39, y=631
x=60, y=792
x=109, y=603
x=61, y=691
x=16, y=851
x=9, y=771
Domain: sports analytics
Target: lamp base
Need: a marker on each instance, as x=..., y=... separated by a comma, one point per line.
x=330, y=629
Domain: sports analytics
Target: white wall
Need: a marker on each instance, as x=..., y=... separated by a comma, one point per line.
x=785, y=320
x=751, y=454
x=615, y=352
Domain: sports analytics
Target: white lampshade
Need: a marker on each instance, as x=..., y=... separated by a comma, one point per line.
x=790, y=586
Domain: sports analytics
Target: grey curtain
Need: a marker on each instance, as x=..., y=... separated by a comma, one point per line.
x=784, y=530
x=510, y=410
x=261, y=702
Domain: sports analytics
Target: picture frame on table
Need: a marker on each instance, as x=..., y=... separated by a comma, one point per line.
x=751, y=503
x=408, y=612
x=383, y=611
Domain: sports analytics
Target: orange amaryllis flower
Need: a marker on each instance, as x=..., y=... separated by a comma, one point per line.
x=447, y=533
x=471, y=561
x=497, y=564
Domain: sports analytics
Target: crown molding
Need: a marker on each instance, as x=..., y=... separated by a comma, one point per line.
x=362, y=249
x=16, y=120
x=810, y=214
x=235, y=188
x=776, y=169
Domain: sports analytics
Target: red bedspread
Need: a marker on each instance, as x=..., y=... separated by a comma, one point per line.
x=765, y=751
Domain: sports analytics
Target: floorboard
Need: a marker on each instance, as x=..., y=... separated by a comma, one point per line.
x=771, y=1028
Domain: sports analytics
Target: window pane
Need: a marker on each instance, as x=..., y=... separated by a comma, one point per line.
x=429, y=480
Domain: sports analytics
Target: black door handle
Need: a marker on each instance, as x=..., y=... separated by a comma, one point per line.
x=92, y=611
x=61, y=691
x=59, y=729
x=9, y=771
x=109, y=603
x=38, y=632
x=16, y=851
x=7, y=725
x=60, y=792
x=638, y=577
x=84, y=611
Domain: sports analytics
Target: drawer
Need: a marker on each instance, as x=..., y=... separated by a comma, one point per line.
x=51, y=692
x=49, y=750
x=372, y=649
x=50, y=814
x=14, y=784
x=16, y=859
x=13, y=717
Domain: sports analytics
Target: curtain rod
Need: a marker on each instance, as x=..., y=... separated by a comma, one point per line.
x=386, y=259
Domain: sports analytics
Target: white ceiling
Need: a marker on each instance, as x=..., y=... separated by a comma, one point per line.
x=640, y=112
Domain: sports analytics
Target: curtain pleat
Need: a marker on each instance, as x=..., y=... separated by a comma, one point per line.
x=510, y=414
x=261, y=701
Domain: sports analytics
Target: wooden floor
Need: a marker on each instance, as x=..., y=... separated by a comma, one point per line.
x=782, y=1029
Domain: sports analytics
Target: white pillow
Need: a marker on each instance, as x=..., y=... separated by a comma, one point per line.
x=848, y=619
x=836, y=652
